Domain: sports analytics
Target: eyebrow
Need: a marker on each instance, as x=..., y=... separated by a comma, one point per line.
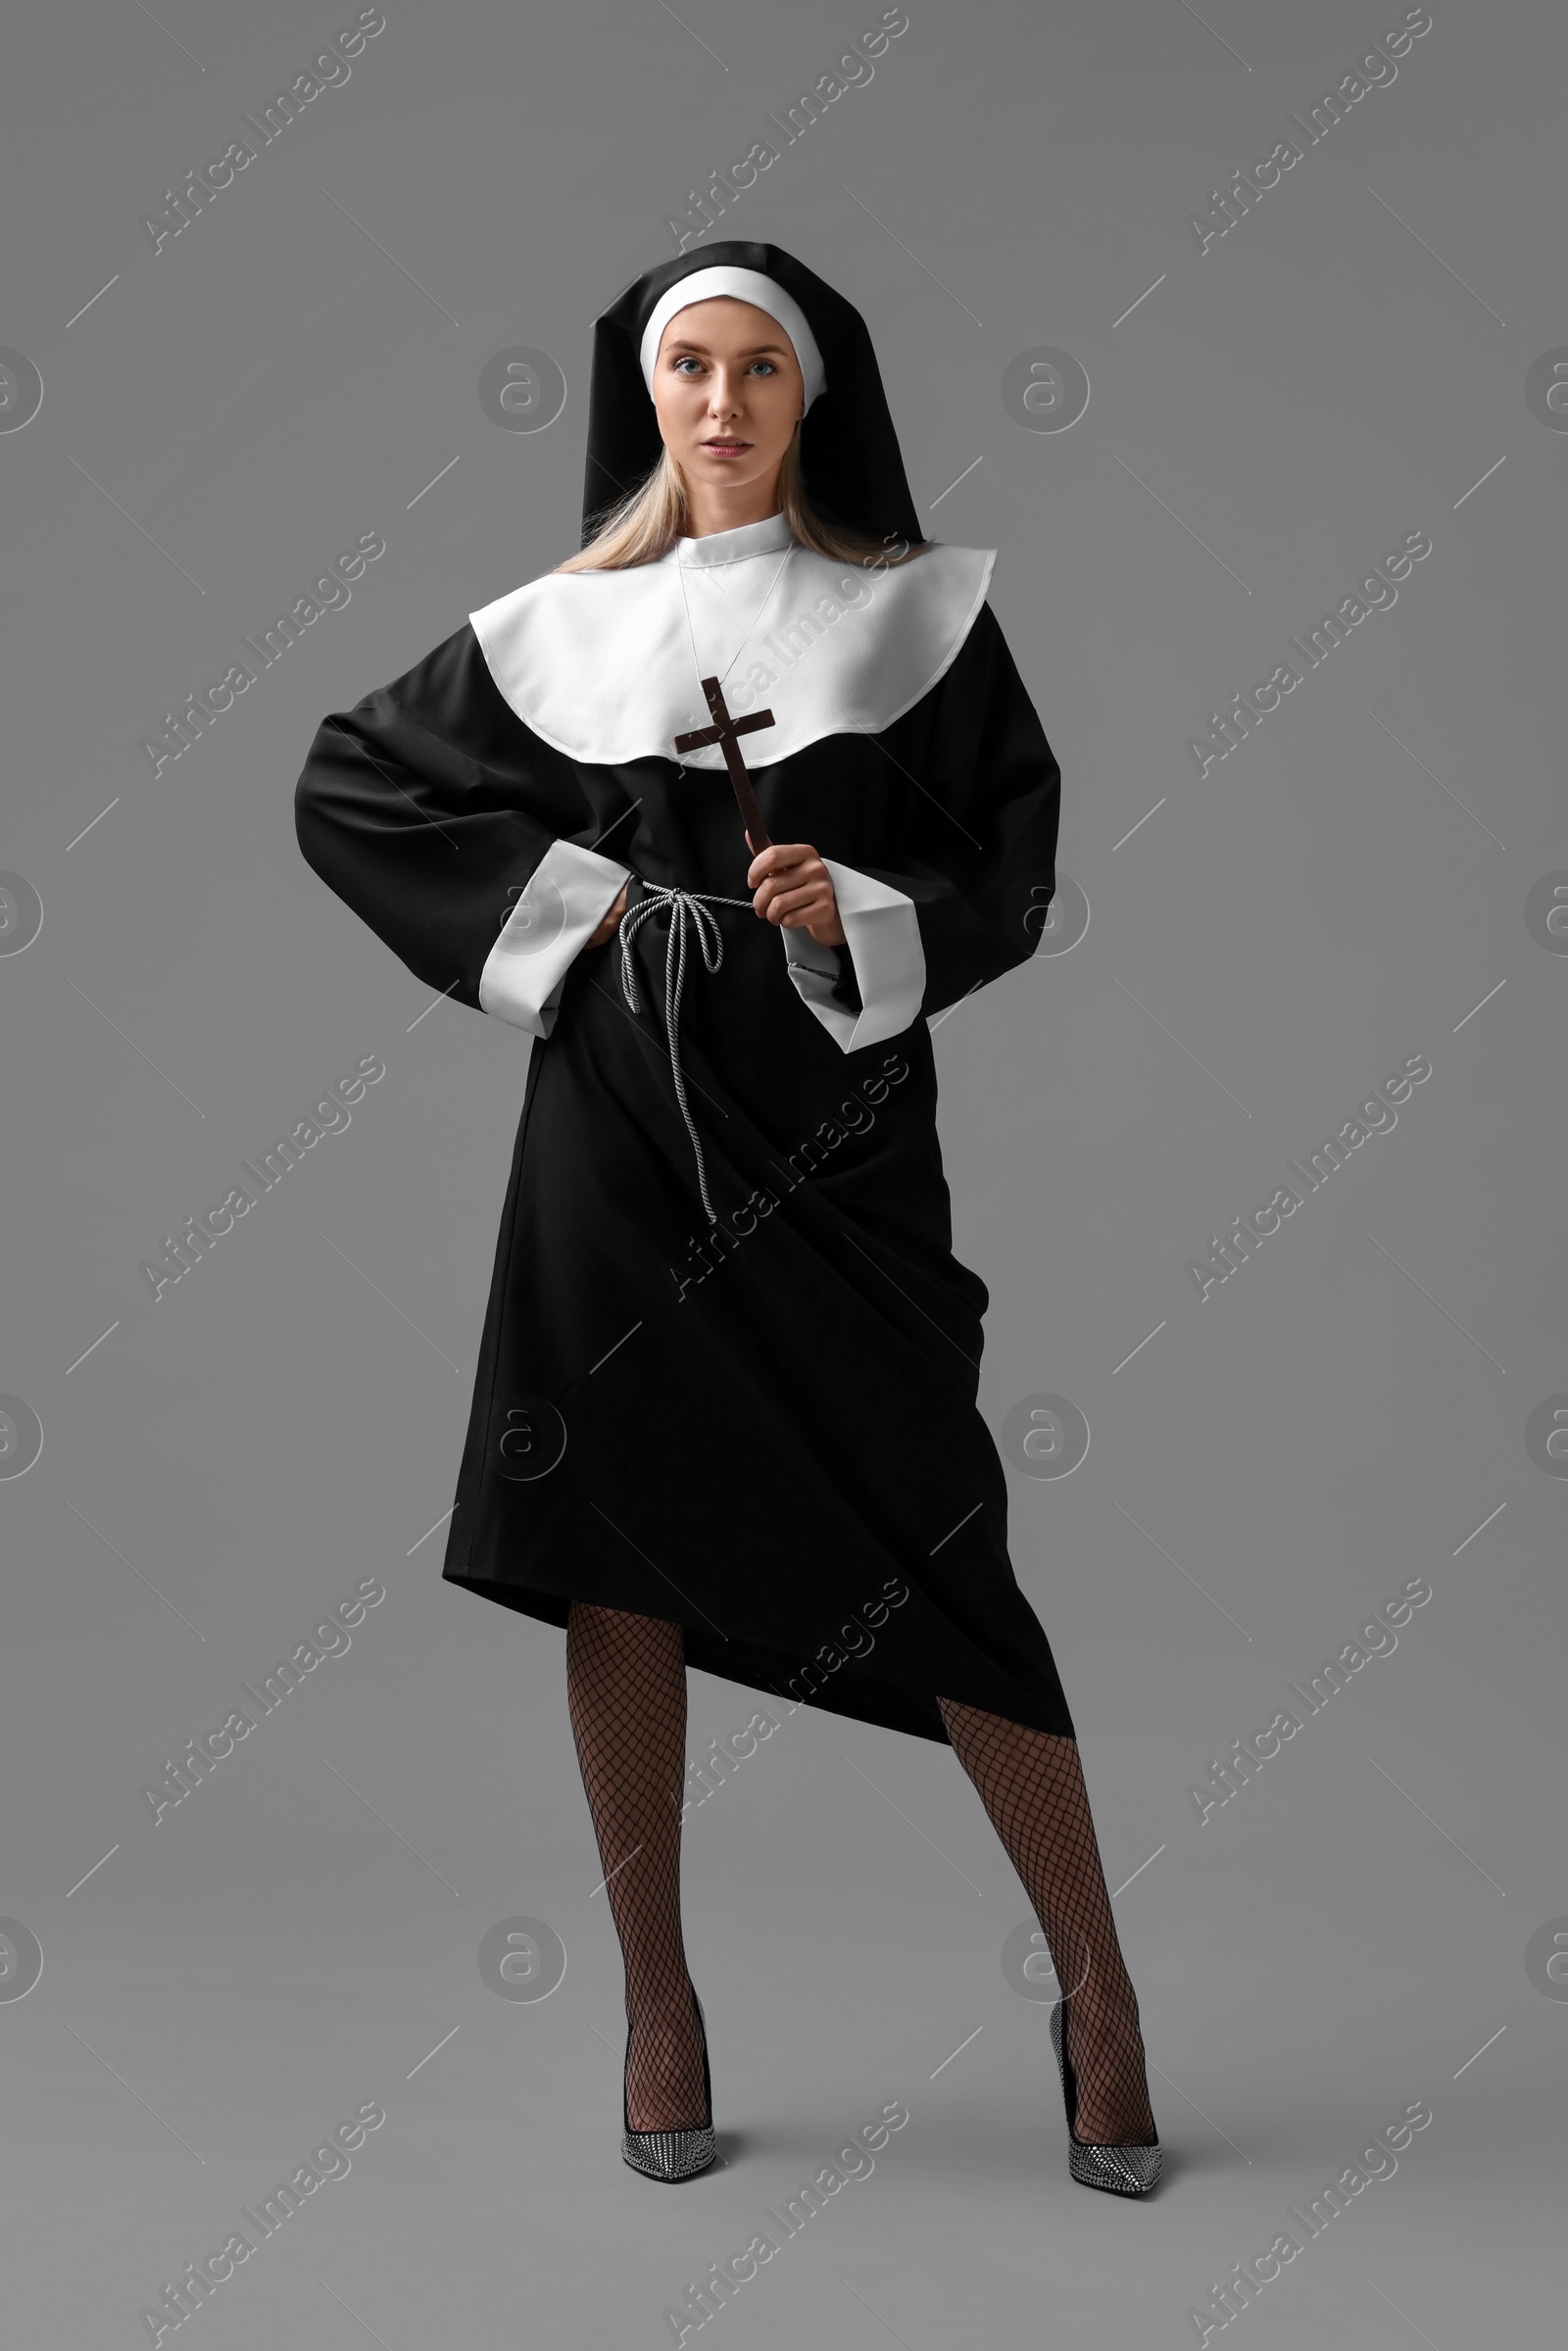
x=705, y=350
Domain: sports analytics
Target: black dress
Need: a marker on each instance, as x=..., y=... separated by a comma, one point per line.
x=763, y=1429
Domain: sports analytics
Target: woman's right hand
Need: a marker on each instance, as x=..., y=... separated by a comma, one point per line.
x=611, y=923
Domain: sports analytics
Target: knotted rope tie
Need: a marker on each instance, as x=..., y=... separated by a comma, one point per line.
x=685, y=905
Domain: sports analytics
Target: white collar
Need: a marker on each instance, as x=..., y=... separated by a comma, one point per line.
x=735, y=546
x=601, y=664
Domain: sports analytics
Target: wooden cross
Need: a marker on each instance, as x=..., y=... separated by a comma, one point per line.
x=725, y=730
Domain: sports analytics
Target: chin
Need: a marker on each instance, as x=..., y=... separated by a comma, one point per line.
x=742, y=471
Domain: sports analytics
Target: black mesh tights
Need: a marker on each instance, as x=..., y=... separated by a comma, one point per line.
x=1033, y=1789
x=627, y=1691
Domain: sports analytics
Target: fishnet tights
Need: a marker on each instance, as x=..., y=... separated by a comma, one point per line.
x=1033, y=1789
x=626, y=1692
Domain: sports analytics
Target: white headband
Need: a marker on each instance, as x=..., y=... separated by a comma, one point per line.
x=748, y=285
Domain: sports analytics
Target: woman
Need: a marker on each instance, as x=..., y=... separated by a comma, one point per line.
x=725, y=1405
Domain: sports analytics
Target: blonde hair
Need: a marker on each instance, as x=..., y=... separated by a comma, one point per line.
x=646, y=524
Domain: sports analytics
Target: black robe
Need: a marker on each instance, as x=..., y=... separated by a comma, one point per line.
x=765, y=1431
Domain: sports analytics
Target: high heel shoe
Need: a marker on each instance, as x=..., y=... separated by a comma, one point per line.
x=671, y=2154
x=1120, y=2171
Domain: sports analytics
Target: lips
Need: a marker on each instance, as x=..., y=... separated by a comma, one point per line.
x=718, y=448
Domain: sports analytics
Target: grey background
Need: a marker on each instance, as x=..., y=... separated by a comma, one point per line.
x=1340, y=1416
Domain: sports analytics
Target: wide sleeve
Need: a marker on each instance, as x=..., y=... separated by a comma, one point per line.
x=461, y=839
x=971, y=801
x=871, y=988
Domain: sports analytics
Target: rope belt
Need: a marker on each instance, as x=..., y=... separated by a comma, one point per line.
x=685, y=905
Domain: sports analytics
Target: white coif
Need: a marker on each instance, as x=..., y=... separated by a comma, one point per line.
x=745, y=285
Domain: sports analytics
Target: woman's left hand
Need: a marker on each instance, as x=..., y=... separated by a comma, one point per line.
x=792, y=886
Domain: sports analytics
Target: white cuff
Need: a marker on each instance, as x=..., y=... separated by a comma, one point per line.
x=562, y=903
x=882, y=931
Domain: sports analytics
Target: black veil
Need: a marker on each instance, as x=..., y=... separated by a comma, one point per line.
x=850, y=455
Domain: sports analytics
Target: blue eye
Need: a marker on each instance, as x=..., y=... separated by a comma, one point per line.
x=687, y=363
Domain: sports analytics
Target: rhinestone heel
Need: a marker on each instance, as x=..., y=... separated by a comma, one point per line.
x=1120, y=2171
x=671, y=2154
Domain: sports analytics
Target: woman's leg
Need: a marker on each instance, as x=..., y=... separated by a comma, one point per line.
x=1033, y=1789
x=627, y=1691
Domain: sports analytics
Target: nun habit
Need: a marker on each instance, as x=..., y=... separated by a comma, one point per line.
x=729, y=1363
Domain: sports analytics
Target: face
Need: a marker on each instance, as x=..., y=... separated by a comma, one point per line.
x=728, y=392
